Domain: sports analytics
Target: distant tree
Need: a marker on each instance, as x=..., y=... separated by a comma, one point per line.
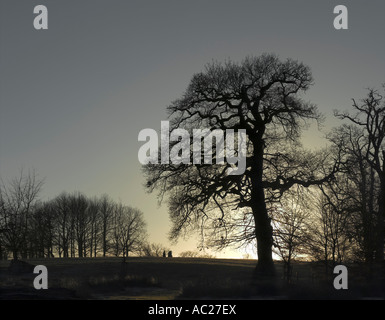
x=64, y=224
x=94, y=235
x=78, y=207
x=153, y=249
x=195, y=254
x=354, y=191
x=329, y=240
x=41, y=237
x=263, y=96
x=290, y=220
x=106, y=207
x=3, y=249
x=246, y=256
x=369, y=117
x=18, y=201
x=189, y=254
x=129, y=231
x=206, y=255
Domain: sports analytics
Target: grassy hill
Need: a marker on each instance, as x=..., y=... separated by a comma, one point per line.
x=142, y=278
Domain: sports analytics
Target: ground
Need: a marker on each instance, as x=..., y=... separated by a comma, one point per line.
x=143, y=278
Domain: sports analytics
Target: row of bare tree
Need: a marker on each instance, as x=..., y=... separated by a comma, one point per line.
x=70, y=225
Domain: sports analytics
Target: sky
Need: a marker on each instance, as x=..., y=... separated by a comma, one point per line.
x=74, y=97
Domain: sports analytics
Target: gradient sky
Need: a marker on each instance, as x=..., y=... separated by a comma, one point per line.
x=73, y=98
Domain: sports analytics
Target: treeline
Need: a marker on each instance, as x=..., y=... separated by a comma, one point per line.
x=70, y=225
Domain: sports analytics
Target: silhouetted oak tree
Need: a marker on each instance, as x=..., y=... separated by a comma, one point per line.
x=262, y=96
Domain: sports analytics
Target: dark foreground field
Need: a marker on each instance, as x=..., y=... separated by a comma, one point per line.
x=185, y=278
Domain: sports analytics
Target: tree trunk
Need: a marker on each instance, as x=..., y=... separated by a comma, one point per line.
x=263, y=233
x=80, y=249
x=263, y=228
x=380, y=235
x=264, y=236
